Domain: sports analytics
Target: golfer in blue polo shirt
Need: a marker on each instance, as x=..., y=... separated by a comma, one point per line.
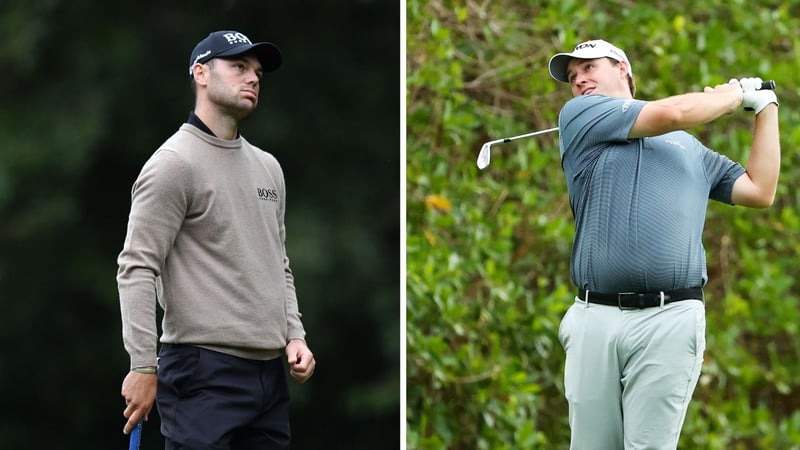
x=639, y=187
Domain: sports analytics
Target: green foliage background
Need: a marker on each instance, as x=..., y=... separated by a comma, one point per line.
x=488, y=251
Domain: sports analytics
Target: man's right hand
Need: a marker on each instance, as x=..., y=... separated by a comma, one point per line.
x=139, y=391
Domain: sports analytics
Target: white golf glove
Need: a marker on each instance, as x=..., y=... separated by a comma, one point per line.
x=750, y=84
x=755, y=100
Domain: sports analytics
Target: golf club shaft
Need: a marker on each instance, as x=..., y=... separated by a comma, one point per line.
x=509, y=139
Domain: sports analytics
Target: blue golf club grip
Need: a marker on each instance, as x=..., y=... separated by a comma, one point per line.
x=136, y=436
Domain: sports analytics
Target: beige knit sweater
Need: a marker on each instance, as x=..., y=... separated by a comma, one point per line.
x=206, y=238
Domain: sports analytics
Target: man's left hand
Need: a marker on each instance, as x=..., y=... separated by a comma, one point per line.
x=301, y=360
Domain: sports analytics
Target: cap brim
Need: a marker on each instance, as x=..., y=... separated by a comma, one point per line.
x=560, y=62
x=268, y=54
x=558, y=66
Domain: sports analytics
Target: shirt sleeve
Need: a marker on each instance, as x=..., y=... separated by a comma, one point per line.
x=589, y=123
x=722, y=173
x=158, y=205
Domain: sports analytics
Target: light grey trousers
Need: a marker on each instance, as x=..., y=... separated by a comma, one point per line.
x=630, y=374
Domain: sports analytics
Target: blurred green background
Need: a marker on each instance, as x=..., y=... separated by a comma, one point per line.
x=88, y=90
x=488, y=251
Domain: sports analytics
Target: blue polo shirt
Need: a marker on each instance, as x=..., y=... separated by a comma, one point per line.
x=639, y=204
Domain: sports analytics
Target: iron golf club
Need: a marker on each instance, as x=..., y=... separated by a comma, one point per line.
x=484, y=157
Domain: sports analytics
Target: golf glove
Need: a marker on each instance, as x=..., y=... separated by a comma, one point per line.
x=755, y=100
x=750, y=84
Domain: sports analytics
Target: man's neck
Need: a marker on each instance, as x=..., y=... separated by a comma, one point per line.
x=223, y=127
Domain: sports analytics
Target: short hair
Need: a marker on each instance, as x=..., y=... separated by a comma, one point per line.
x=631, y=83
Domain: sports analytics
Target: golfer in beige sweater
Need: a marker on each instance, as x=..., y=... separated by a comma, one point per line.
x=205, y=240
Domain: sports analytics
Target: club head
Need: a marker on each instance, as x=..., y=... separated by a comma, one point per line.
x=484, y=157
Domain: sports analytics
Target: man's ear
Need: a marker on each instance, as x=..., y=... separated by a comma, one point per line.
x=623, y=67
x=200, y=73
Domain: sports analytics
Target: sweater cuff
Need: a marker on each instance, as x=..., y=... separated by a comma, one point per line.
x=143, y=361
x=296, y=334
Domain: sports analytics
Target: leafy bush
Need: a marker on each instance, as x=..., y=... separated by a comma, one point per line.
x=488, y=251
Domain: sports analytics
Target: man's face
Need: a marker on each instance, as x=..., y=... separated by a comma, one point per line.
x=598, y=76
x=234, y=84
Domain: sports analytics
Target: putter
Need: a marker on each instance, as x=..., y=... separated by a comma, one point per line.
x=484, y=157
x=136, y=436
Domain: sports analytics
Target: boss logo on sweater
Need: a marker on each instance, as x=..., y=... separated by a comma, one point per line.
x=267, y=194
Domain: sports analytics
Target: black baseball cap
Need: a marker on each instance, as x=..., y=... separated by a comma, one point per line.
x=220, y=44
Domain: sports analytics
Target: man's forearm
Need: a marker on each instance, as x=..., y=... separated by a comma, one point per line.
x=698, y=108
x=684, y=111
x=764, y=162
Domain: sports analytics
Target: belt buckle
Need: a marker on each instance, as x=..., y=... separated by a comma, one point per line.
x=619, y=301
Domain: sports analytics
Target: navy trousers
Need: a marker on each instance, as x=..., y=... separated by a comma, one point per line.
x=210, y=400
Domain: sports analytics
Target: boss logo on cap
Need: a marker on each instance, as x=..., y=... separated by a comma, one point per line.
x=236, y=38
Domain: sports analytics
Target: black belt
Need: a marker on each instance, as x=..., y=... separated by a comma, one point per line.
x=639, y=300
